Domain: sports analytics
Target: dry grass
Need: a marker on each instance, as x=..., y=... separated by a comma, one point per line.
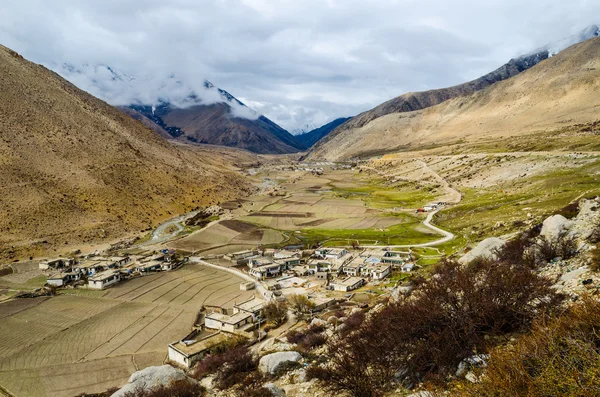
x=76, y=171
x=548, y=98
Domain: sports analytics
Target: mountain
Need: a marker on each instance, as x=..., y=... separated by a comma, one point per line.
x=557, y=46
x=215, y=124
x=76, y=171
x=304, y=129
x=205, y=114
x=309, y=138
x=411, y=102
x=554, y=102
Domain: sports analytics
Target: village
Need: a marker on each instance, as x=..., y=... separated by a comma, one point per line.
x=325, y=276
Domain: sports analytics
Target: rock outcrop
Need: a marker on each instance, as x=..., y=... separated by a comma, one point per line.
x=150, y=377
x=486, y=249
x=272, y=362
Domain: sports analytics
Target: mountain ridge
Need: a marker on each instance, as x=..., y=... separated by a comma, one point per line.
x=555, y=97
x=75, y=170
x=206, y=115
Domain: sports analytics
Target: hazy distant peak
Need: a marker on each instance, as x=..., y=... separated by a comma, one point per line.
x=559, y=45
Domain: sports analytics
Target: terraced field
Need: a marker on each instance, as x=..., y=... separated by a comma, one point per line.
x=228, y=232
x=66, y=345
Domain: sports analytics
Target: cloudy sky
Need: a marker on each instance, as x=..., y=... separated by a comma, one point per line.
x=297, y=62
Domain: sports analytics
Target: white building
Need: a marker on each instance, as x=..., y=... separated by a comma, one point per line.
x=348, y=284
x=54, y=263
x=336, y=253
x=195, y=347
x=265, y=271
x=408, y=267
x=233, y=324
x=378, y=272
x=252, y=306
x=104, y=279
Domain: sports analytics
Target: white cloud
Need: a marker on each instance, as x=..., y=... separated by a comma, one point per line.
x=306, y=62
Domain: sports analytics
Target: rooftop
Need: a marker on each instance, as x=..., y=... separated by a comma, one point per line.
x=251, y=305
x=349, y=281
x=205, y=340
x=103, y=275
x=229, y=319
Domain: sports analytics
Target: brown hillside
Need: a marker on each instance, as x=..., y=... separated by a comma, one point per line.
x=214, y=124
x=552, y=96
x=75, y=170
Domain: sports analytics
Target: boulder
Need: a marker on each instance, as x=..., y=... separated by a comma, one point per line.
x=484, y=250
x=555, y=226
x=275, y=390
x=317, y=322
x=272, y=362
x=149, y=378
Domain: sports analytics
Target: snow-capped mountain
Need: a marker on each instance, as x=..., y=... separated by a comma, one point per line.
x=202, y=113
x=559, y=45
x=123, y=89
x=304, y=129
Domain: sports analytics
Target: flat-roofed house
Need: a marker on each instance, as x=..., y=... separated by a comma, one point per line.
x=394, y=258
x=57, y=280
x=60, y=279
x=319, y=265
x=265, y=271
x=378, y=272
x=195, y=346
x=57, y=263
x=91, y=267
x=336, y=253
x=354, y=267
x=321, y=303
x=149, y=267
x=234, y=324
x=104, y=279
x=288, y=263
x=252, y=306
x=285, y=254
x=408, y=267
x=348, y=284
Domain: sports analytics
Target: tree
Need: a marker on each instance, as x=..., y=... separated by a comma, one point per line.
x=300, y=303
x=276, y=312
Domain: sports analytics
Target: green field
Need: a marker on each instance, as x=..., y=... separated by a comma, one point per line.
x=511, y=207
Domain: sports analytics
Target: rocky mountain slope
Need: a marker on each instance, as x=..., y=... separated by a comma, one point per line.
x=309, y=138
x=177, y=110
x=555, y=94
x=74, y=170
x=215, y=124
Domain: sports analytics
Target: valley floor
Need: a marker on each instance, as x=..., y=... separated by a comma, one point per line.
x=85, y=340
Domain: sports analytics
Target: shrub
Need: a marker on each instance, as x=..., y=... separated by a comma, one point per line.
x=516, y=251
x=564, y=247
x=560, y=357
x=179, y=388
x=231, y=367
x=570, y=210
x=309, y=338
x=300, y=303
x=236, y=369
x=276, y=312
x=352, y=323
x=460, y=310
